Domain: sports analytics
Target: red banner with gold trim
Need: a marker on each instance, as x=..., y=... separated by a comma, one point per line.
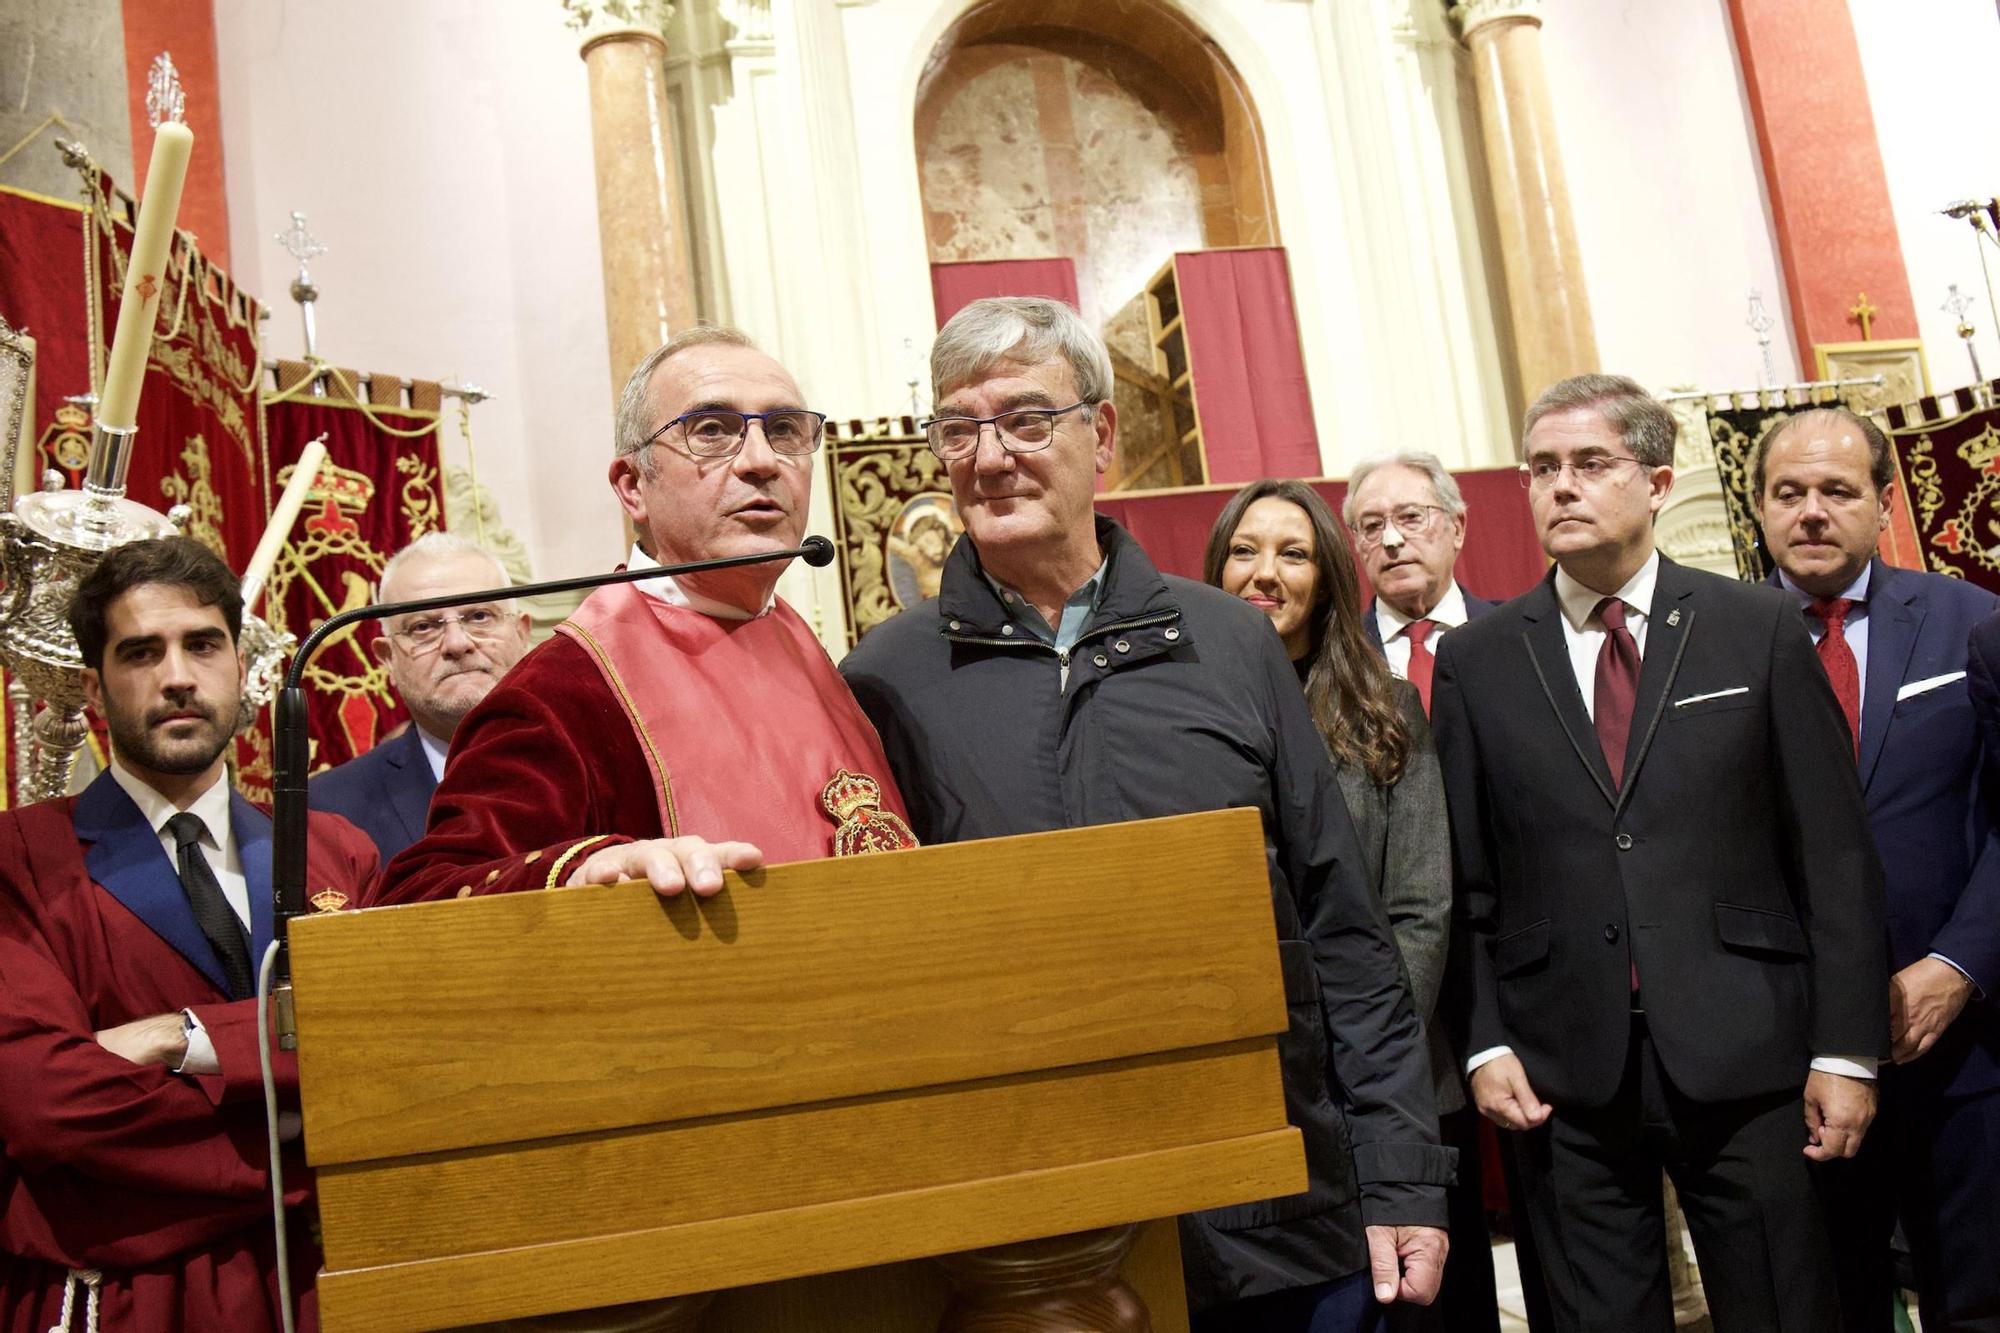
x=379, y=490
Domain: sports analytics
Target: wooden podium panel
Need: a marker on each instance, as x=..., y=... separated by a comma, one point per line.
x=539, y=1102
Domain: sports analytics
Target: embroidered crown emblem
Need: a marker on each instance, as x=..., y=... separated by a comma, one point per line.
x=854, y=801
x=329, y=900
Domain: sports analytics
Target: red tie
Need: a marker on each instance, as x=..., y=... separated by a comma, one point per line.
x=1617, y=695
x=1617, y=686
x=1838, y=659
x=1422, y=664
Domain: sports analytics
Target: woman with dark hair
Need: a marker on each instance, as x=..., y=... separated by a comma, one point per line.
x=1278, y=547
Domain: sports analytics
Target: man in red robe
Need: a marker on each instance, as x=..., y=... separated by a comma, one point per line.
x=134, y=1186
x=672, y=728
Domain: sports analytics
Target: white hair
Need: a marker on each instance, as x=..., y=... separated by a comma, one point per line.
x=1417, y=460
x=440, y=542
x=1028, y=329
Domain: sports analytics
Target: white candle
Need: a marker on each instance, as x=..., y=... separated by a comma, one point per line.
x=304, y=473
x=145, y=275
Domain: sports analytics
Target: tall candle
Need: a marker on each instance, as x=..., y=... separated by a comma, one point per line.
x=145, y=276
x=304, y=473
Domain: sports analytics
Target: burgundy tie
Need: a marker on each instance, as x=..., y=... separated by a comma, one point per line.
x=1422, y=664
x=1838, y=658
x=1617, y=688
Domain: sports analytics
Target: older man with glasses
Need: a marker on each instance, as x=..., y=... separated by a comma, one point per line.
x=1408, y=521
x=1059, y=680
x=675, y=727
x=440, y=664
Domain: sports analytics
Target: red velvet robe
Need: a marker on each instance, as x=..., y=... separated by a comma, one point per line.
x=157, y=1180
x=726, y=729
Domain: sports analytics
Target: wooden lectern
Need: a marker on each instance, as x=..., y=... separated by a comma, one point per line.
x=532, y=1103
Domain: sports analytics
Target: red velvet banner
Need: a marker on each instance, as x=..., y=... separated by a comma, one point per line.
x=1501, y=558
x=1243, y=356
x=379, y=490
x=955, y=286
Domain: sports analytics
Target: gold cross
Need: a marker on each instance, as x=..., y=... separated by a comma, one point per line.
x=1864, y=312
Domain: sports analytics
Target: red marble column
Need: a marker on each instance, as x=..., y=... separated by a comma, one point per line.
x=186, y=31
x=1823, y=168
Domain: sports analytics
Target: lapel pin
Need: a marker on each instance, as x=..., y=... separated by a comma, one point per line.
x=1674, y=616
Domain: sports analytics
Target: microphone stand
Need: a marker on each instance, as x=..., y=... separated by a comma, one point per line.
x=288, y=788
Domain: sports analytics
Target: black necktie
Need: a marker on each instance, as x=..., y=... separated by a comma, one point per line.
x=212, y=912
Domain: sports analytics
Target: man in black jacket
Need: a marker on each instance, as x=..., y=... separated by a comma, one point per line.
x=1059, y=680
x=1669, y=908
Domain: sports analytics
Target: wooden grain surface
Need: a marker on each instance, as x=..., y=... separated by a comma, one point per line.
x=796, y=1242
x=665, y=1175
x=526, y=1016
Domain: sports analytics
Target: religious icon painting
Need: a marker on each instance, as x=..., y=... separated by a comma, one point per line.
x=917, y=543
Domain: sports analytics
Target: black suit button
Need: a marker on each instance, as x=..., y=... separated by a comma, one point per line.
x=1624, y=842
x=1611, y=934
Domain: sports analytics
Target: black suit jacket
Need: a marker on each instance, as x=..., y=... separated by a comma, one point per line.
x=1475, y=607
x=386, y=793
x=1733, y=866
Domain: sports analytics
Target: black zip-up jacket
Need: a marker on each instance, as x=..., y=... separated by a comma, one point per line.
x=1179, y=698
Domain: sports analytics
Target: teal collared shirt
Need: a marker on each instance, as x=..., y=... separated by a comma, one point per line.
x=1076, y=611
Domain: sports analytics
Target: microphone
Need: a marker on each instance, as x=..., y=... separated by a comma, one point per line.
x=288, y=787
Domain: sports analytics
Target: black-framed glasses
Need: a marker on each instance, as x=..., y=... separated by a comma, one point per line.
x=1025, y=430
x=1409, y=521
x=713, y=433
x=424, y=632
x=1539, y=474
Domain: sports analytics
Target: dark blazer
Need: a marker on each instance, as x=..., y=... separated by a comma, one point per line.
x=386, y=793
x=1921, y=762
x=1406, y=855
x=1732, y=866
x=1475, y=607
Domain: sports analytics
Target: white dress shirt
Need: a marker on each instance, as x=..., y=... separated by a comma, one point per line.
x=1584, y=633
x=673, y=594
x=218, y=846
x=434, y=750
x=1390, y=623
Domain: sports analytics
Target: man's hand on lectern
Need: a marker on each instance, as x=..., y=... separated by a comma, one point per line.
x=668, y=864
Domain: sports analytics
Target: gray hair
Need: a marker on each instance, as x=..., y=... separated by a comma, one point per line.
x=1443, y=486
x=440, y=542
x=1641, y=420
x=635, y=425
x=1029, y=329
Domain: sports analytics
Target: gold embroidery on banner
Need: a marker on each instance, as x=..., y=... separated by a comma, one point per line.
x=196, y=491
x=66, y=443
x=420, y=494
x=556, y=866
x=596, y=650
x=329, y=899
x=854, y=801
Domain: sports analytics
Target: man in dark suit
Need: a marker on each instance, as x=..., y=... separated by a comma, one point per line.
x=441, y=663
x=1670, y=913
x=1893, y=642
x=1408, y=521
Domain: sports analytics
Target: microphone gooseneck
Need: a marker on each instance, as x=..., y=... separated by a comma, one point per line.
x=288, y=787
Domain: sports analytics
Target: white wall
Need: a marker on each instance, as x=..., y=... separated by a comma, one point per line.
x=1667, y=189
x=1930, y=70
x=442, y=151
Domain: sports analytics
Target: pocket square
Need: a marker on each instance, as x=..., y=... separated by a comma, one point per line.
x=1713, y=694
x=1927, y=683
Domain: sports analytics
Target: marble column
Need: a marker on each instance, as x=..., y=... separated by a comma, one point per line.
x=1548, y=306
x=649, y=287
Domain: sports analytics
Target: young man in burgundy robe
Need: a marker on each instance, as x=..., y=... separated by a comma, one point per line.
x=134, y=1193
x=675, y=727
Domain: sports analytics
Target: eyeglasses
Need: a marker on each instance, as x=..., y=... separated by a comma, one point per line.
x=1025, y=430
x=709, y=433
x=1541, y=473
x=425, y=633
x=1409, y=521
